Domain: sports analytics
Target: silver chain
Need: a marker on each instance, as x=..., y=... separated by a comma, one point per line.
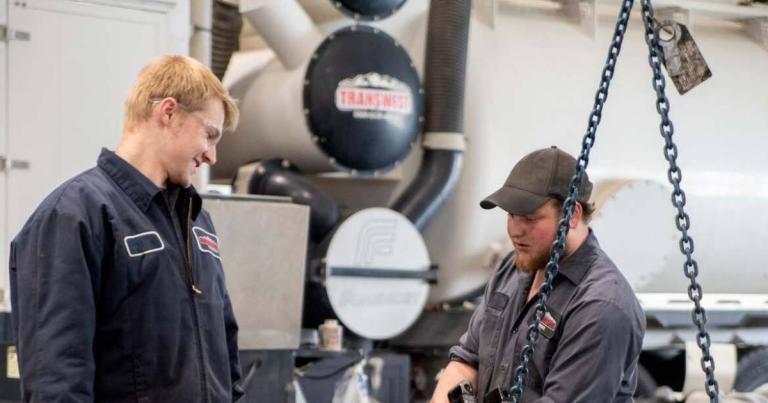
x=674, y=174
x=562, y=231
x=682, y=220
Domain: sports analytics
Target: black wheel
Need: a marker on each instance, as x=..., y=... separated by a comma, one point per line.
x=646, y=386
x=752, y=371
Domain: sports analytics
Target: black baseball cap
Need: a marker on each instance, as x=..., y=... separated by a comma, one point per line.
x=537, y=178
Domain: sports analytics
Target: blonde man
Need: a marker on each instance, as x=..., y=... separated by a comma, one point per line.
x=117, y=286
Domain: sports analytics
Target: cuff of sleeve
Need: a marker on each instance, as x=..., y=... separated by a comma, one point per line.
x=457, y=353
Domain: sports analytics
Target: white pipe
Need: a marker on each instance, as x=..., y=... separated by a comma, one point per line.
x=200, y=46
x=201, y=14
x=286, y=27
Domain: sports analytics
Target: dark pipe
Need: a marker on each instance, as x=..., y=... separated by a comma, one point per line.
x=445, y=73
x=225, y=35
x=437, y=177
x=367, y=9
x=277, y=178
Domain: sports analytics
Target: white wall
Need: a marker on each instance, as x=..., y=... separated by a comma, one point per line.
x=3, y=140
x=66, y=88
x=532, y=84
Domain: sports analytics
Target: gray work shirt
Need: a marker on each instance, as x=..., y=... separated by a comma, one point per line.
x=590, y=338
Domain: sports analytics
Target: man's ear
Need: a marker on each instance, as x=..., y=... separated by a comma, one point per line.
x=164, y=110
x=576, y=215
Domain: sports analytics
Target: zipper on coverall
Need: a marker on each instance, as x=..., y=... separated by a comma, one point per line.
x=196, y=291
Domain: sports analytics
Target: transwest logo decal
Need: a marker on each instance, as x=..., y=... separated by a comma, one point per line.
x=207, y=242
x=374, y=96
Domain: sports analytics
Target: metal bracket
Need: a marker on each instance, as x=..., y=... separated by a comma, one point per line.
x=758, y=30
x=19, y=165
x=10, y=34
x=584, y=13
x=486, y=10
x=676, y=14
x=444, y=141
x=430, y=275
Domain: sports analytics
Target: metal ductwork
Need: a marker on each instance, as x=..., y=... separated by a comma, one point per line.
x=351, y=101
x=271, y=18
x=445, y=71
x=362, y=100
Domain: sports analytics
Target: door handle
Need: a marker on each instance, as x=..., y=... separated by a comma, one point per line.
x=19, y=165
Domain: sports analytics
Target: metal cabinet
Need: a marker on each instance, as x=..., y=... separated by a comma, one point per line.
x=65, y=69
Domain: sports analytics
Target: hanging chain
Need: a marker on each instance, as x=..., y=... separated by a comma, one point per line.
x=682, y=220
x=674, y=174
x=562, y=231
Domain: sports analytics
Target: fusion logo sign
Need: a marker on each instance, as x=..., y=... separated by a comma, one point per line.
x=377, y=238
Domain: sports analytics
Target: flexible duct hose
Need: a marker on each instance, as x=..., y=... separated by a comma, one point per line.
x=445, y=74
x=271, y=177
x=227, y=24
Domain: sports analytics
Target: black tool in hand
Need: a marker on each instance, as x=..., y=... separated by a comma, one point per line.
x=498, y=396
x=462, y=393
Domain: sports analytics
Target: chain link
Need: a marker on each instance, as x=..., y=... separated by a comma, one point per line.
x=674, y=174
x=682, y=220
x=559, y=244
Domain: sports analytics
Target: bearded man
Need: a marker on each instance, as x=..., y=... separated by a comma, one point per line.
x=591, y=334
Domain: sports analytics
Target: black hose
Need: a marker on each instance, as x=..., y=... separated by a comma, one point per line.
x=446, y=62
x=444, y=77
x=279, y=178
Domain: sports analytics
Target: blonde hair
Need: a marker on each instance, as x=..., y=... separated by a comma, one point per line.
x=190, y=82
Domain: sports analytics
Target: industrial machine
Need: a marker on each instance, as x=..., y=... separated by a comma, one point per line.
x=391, y=120
x=333, y=115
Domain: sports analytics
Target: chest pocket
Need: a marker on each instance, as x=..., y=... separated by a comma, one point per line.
x=143, y=243
x=490, y=331
x=144, y=254
x=550, y=330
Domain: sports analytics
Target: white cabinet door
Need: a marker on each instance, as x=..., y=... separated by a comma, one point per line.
x=67, y=83
x=3, y=141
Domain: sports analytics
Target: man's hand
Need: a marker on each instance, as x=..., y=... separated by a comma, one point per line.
x=454, y=373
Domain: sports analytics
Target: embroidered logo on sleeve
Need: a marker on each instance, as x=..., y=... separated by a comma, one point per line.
x=143, y=243
x=207, y=242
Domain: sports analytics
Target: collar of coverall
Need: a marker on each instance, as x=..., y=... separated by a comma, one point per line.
x=575, y=266
x=137, y=186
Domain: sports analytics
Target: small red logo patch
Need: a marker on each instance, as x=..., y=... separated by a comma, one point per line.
x=207, y=241
x=548, y=321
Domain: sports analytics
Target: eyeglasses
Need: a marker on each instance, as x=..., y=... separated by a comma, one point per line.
x=213, y=132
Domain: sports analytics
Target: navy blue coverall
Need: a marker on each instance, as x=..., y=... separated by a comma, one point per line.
x=119, y=296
